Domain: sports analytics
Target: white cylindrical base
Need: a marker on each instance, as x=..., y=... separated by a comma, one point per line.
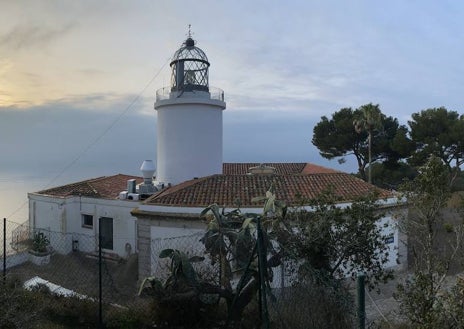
x=189, y=132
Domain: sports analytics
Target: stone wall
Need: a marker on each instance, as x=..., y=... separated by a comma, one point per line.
x=144, y=246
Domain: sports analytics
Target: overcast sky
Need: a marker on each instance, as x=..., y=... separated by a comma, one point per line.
x=70, y=70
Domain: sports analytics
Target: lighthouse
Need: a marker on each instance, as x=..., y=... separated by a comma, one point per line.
x=189, y=119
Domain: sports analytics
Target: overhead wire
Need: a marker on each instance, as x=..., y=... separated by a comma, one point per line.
x=99, y=137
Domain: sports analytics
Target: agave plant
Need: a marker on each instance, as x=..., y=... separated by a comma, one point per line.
x=177, y=299
x=232, y=240
x=229, y=240
x=182, y=278
x=40, y=243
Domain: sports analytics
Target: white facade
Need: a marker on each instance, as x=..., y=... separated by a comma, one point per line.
x=72, y=222
x=160, y=232
x=189, y=137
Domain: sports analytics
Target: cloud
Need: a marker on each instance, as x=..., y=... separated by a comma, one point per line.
x=45, y=139
x=91, y=73
x=29, y=36
x=110, y=103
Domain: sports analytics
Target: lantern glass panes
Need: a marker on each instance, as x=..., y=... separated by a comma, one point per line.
x=189, y=67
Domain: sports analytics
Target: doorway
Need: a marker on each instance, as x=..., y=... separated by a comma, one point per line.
x=106, y=231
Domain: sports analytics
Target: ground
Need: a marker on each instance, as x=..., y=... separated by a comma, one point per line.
x=382, y=306
x=80, y=273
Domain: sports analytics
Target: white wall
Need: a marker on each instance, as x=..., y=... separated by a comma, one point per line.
x=389, y=227
x=189, y=138
x=176, y=228
x=185, y=239
x=392, y=231
x=172, y=232
x=64, y=215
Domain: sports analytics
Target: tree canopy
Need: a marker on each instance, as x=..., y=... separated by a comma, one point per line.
x=338, y=138
x=371, y=119
x=339, y=242
x=435, y=241
x=439, y=132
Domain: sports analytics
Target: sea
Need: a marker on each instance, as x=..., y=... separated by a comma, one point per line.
x=16, y=184
x=13, y=194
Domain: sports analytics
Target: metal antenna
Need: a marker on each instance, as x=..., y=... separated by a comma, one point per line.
x=190, y=33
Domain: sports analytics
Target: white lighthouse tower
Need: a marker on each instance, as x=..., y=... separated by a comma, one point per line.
x=189, y=128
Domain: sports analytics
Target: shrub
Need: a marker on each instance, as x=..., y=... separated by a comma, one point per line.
x=20, y=308
x=309, y=306
x=71, y=311
x=40, y=242
x=137, y=316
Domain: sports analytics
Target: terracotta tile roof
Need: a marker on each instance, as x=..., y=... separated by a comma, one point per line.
x=235, y=185
x=286, y=168
x=243, y=168
x=226, y=190
x=311, y=168
x=107, y=187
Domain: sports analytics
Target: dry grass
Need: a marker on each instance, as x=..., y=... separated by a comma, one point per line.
x=457, y=200
x=80, y=273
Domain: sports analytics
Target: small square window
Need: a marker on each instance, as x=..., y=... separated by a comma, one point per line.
x=390, y=239
x=87, y=221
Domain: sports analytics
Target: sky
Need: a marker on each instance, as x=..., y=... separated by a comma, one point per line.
x=78, y=78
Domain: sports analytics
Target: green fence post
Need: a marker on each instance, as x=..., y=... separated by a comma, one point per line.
x=361, y=301
x=262, y=267
x=100, y=283
x=4, y=250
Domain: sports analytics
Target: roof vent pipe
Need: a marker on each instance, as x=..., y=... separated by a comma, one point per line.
x=131, y=186
x=148, y=169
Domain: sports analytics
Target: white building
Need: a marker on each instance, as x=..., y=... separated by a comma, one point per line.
x=190, y=175
x=71, y=214
x=175, y=211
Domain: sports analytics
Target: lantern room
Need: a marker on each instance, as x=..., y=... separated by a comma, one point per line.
x=189, y=67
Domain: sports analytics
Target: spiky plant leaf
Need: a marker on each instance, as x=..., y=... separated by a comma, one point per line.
x=258, y=199
x=248, y=223
x=150, y=283
x=243, y=247
x=269, y=206
x=196, y=259
x=165, y=253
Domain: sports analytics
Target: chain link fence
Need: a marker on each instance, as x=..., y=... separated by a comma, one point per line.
x=68, y=265
x=295, y=298
x=12, y=248
x=73, y=266
x=191, y=246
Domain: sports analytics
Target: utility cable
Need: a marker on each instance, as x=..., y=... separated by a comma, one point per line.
x=98, y=138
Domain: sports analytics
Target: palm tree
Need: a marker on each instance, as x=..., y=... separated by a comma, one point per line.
x=371, y=119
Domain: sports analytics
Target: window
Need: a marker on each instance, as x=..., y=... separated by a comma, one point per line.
x=87, y=221
x=390, y=239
